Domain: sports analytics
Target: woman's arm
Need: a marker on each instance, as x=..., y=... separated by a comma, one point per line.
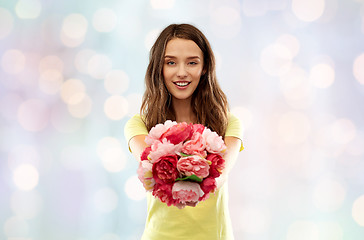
x=137, y=146
x=233, y=146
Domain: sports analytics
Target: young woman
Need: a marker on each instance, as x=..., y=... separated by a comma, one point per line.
x=181, y=85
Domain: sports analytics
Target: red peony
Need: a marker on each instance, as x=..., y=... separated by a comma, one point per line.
x=145, y=154
x=178, y=133
x=165, y=169
x=217, y=164
x=208, y=185
x=164, y=193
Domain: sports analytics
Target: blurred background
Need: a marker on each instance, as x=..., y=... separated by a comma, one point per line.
x=72, y=74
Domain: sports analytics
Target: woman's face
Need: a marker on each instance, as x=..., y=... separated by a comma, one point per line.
x=182, y=68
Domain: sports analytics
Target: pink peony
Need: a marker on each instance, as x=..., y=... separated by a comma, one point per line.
x=185, y=191
x=165, y=169
x=164, y=193
x=159, y=149
x=214, y=142
x=157, y=131
x=217, y=164
x=208, y=186
x=178, y=133
x=195, y=146
x=193, y=165
x=145, y=175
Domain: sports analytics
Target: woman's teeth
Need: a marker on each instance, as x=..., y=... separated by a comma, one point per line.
x=182, y=84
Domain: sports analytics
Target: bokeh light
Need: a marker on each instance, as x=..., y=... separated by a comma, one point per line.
x=51, y=62
x=82, y=58
x=111, y=154
x=133, y=189
x=296, y=88
x=116, y=107
x=6, y=23
x=104, y=20
x=28, y=9
x=358, y=68
x=358, y=210
x=343, y=130
x=290, y=42
x=308, y=10
x=116, y=82
x=276, y=59
x=322, y=75
x=75, y=26
x=74, y=29
x=82, y=108
x=226, y=21
x=73, y=91
x=99, y=65
x=26, y=177
x=50, y=81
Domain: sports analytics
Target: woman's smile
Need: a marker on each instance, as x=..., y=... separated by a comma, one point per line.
x=182, y=84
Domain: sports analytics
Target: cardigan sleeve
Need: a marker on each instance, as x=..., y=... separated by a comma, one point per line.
x=234, y=129
x=133, y=127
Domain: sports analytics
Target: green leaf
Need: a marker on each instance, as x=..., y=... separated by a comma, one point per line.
x=191, y=178
x=185, y=155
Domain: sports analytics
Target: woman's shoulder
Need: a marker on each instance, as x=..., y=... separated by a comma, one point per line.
x=233, y=119
x=135, y=126
x=234, y=128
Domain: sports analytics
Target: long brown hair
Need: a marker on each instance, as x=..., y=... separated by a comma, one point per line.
x=208, y=102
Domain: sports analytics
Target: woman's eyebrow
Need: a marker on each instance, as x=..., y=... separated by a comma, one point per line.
x=169, y=56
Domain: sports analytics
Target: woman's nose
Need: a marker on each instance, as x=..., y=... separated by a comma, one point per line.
x=181, y=72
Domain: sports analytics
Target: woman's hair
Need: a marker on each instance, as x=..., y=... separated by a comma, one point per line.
x=208, y=102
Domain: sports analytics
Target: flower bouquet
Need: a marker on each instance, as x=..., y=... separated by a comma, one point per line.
x=181, y=162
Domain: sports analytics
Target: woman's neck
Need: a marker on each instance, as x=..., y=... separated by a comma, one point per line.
x=183, y=110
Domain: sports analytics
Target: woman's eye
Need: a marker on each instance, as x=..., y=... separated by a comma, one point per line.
x=170, y=63
x=192, y=63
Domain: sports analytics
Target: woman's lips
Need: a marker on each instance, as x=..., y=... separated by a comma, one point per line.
x=182, y=84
